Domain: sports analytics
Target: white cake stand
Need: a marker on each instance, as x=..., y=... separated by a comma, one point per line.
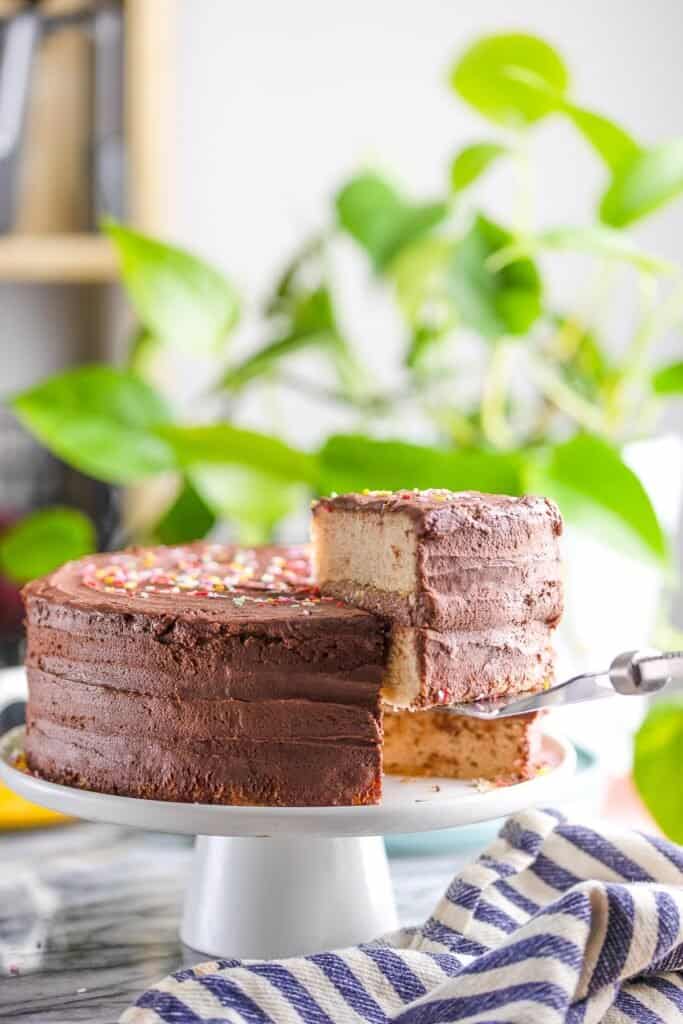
x=270, y=882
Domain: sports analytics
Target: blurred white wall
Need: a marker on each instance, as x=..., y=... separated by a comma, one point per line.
x=276, y=102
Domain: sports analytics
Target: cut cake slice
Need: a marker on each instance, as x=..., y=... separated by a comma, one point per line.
x=470, y=582
x=440, y=743
x=441, y=559
x=426, y=668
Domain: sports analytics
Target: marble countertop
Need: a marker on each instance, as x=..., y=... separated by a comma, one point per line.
x=89, y=917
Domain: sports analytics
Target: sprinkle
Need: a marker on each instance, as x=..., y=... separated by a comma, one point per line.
x=200, y=572
x=483, y=785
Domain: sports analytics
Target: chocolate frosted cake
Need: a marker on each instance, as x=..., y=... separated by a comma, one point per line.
x=470, y=582
x=223, y=675
x=206, y=674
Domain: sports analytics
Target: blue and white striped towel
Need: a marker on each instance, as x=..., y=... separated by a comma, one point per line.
x=555, y=922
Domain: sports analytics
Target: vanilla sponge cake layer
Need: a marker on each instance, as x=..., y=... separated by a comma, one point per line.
x=441, y=743
x=439, y=559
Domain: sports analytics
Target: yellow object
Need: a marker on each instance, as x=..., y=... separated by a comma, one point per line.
x=15, y=812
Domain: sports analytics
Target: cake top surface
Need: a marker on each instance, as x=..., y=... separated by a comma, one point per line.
x=451, y=508
x=215, y=581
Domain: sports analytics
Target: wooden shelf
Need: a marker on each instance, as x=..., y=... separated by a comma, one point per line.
x=58, y=258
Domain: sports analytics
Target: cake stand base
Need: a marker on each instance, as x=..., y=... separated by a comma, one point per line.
x=279, y=881
x=272, y=897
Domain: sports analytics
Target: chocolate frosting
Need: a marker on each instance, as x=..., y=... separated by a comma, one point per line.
x=482, y=523
x=240, y=772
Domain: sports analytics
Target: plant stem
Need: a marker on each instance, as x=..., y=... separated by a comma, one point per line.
x=493, y=420
x=523, y=208
x=655, y=321
x=643, y=336
x=454, y=425
x=566, y=399
x=322, y=394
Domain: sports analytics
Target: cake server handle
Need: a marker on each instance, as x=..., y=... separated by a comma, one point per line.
x=632, y=673
x=638, y=672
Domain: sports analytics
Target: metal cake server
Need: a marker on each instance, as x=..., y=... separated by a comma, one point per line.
x=633, y=673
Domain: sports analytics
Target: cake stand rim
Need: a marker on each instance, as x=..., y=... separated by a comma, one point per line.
x=409, y=805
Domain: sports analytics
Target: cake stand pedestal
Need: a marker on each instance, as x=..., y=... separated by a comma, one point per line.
x=267, y=898
x=271, y=882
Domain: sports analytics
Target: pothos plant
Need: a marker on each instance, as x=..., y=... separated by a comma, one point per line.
x=511, y=391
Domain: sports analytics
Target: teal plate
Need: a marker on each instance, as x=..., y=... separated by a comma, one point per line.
x=586, y=800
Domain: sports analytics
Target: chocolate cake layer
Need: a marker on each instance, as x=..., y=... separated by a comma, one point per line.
x=440, y=559
x=203, y=673
x=440, y=743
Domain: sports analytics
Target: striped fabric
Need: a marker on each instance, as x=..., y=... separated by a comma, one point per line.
x=555, y=922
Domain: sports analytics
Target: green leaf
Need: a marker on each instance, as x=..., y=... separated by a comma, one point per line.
x=225, y=444
x=596, y=240
x=420, y=276
x=597, y=491
x=313, y=312
x=43, y=541
x=142, y=353
x=643, y=184
x=312, y=324
x=187, y=519
x=668, y=380
x=350, y=462
x=179, y=298
x=581, y=359
x=510, y=78
x=514, y=79
x=100, y=420
x=261, y=362
x=658, y=755
x=381, y=220
x=608, y=139
x=422, y=340
x=471, y=162
x=254, y=501
x=493, y=302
